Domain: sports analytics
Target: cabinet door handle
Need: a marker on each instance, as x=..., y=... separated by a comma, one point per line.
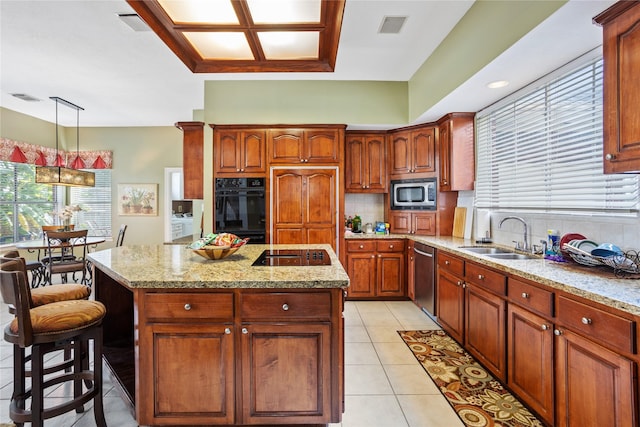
x=557, y=332
x=459, y=283
x=285, y=306
x=390, y=246
x=525, y=295
x=544, y=327
x=187, y=306
x=480, y=277
x=237, y=170
x=361, y=246
x=586, y=321
x=373, y=256
x=227, y=331
x=245, y=331
x=610, y=156
x=447, y=262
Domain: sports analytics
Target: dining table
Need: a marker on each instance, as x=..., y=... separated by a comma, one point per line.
x=36, y=245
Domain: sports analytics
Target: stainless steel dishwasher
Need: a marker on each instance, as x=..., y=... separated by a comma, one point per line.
x=425, y=282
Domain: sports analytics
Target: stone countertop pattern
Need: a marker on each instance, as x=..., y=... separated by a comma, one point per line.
x=175, y=266
x=597, y=284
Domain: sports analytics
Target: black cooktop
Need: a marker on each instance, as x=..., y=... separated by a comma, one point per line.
x=292, y=258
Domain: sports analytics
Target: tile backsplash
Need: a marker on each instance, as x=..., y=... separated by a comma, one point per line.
x=370, y=207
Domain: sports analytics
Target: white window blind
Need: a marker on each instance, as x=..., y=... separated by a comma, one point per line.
x=542, y=150
x=96, y=204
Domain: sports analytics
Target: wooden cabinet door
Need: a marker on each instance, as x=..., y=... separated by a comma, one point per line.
x=424, y=223
x=252, y=152
x=444, y=140
x=286, y=373
x=485, y=323
x=456, y=141
x=450, y=301
x=192, y=160
x=286, y=146
x=366, y=164
x=391, y=270
x=361, y=268
x=400, y=222
x=321, y=146
x=208, y=352
x=238, y=152
x=305, y=206
x=621, y=52
x=400, y=151
x=530, y=360
x=423, y=143
x=227, y=151
x=411, y=261
x=594, y=386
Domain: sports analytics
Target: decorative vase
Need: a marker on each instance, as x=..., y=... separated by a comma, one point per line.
x=66, y=224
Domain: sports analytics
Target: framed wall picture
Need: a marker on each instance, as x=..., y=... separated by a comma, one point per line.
x=138, y=199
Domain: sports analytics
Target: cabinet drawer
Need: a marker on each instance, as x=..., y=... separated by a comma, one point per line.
x=600, y=326
x=188, y=306
x=361, y=246
x=285, y=305
x=488, y=279
x=451, y=263
x=531, y=297
x=390, y=246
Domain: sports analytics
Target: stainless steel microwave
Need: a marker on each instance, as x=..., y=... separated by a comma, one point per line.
x=418, y=194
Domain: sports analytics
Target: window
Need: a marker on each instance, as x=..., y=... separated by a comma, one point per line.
x=541, y=149
x=96, y=204
x=25, y=206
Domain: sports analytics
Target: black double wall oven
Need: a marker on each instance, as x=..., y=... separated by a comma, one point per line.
x=240, y=207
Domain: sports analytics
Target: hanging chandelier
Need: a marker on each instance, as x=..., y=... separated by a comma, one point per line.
x=58, y=174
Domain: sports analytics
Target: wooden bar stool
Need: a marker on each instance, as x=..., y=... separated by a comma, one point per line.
x=46, y=329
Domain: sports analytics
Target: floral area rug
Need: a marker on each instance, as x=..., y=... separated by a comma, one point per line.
x=477, y=397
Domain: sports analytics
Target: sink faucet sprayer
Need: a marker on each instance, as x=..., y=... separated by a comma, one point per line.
x=524, y=223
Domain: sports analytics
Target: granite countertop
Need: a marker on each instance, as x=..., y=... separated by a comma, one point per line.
x=175, y=266
x=597, y=284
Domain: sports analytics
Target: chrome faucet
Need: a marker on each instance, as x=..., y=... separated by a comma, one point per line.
x=525, y=246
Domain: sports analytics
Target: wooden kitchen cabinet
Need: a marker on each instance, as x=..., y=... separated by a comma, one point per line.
x=412, y=222
x=530, y=347
x=412, y=152
x=411, y=265
x=366, y=163
x=305, y=145
x=305, y=207
x=621, y=52
x=456, y=152
x=277, y=369
x=239, y=152
x=450, y=294
x=376, y=268
x=192, y=159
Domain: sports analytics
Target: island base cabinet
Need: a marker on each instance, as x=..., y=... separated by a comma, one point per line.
x=208, y=354
x=284, y=369
x=594, y=386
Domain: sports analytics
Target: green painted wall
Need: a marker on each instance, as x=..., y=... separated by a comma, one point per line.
x=486, y=30
x=281, y=102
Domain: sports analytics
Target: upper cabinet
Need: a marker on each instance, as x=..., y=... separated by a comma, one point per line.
x=366, y=163
x=192, y=160
x=413, y=152
x=621, y=52
x=456, y=145
x=239, y=151
x=305, y=145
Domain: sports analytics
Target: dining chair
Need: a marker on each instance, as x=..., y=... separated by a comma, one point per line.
x=60, y=257
x=120, y=239
x=48, y=228
x=35, y=267
x=46, y=329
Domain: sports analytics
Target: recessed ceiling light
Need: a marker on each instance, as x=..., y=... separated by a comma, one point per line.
x=497, y=84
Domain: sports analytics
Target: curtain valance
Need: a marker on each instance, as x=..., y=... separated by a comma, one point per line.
x=23, y=152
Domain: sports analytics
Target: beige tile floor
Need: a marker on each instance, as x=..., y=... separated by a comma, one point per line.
x=384, y=384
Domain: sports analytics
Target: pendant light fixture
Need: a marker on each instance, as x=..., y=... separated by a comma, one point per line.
x=58, y=174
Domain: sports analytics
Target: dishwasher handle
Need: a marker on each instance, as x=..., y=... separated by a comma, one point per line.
x=418, y=251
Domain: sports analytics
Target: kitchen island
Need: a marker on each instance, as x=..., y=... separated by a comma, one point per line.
x=197, y=342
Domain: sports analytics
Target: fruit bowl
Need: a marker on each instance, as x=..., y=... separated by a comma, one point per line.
x=214, y=252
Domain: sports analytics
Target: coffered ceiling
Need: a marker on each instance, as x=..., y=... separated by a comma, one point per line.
x=84, y=52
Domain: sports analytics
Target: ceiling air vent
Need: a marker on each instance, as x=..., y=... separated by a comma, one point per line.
x=26, y=97
x=392, y=24
x=134, y=21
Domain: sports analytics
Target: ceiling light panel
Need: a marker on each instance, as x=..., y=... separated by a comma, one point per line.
x=279, y=45
x=200, y=11
x=221, y=45
x=285, y=11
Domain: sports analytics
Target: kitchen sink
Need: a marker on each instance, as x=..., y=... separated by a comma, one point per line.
x=511, y=255
x=486, y=250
